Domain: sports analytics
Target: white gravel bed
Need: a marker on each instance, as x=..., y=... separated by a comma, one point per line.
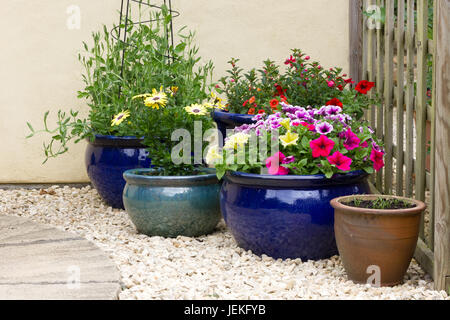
x=209, y=267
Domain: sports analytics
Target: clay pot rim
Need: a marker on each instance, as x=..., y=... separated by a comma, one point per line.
x=336, y=203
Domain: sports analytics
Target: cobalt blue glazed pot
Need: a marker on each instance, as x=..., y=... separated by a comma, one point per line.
x=107, y=158
x=286, y=216
x=171, y=206
x=226, y=120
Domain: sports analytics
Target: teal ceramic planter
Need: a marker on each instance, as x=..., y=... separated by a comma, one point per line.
x=171, y=206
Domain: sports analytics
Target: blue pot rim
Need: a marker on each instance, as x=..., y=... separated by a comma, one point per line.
x=226, y=116
x=294, y=181
x=117, y=141
x=136, y=177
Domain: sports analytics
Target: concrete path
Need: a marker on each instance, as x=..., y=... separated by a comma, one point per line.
x=42, y=262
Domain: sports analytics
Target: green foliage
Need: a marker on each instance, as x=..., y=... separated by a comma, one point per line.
x=303, y=83
x=150, y=62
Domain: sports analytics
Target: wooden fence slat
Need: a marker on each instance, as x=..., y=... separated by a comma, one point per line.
x=355, y=32
x=400, y=95
x=409, y=98
x=433, y=132
x=442, y=164
x=388, y=93
x=379, y=87
x=421, y=108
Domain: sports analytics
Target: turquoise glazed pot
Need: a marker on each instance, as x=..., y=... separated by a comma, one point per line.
x=171, y=206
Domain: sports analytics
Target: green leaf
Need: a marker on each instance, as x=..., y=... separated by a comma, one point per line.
x=369, y=170
x=180, y=47
x=329, y=174
x=305, y=142
x=29, y=126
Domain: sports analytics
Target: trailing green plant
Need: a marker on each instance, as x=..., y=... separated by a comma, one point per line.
x=151, y=65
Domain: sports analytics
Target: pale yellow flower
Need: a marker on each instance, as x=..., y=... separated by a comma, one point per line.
x=172, y=90
x=145, y=95
x=213, y=154
x=289, y=139
x=118, y=118
x=285, y=123
x=217, y=102
x=208, y=105
x=156, y=99
x=196, y=109
x=236, y=140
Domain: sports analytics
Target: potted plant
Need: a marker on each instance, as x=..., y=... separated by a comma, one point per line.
x=179, y=196
x=281, y=173
x=376, y=233
x=114, y=126
x=303, y=83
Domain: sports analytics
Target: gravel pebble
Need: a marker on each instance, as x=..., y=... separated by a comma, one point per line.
x=208, y=267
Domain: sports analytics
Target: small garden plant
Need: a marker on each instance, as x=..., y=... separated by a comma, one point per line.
x=380, y=203
x=159, y=89
x=303, y=83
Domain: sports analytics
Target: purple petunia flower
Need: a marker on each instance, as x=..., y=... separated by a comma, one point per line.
x=351, y=140
x=332, y=110
x=302, y=114
x=324, y=128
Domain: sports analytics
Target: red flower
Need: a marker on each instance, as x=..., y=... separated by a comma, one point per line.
x=261, y=111
x=349, y=80
x=290, y=61
x=340, y=87
x=283, y=98
x=334, y=102
x=274, y=103
x=245, y=103
x=251, y=111
x=377, y=158
x=340, y=161
x=364, y=86
x=321, y=147
x=311, y=127
x=280, y=90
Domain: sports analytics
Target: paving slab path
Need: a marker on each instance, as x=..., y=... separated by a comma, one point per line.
x=42, y=262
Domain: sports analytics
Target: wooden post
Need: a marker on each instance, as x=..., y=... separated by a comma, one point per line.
x=442, y=159
x=400, y=95
x=355, y=33
x=388, y=93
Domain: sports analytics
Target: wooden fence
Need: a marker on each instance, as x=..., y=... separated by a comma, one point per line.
x=403, y=46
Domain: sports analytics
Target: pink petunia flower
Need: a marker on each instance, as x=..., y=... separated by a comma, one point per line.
x=377, y=157
x=321, y=147
x=340, y=161
x=273, y=164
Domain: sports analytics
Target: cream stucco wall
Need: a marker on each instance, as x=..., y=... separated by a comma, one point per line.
x=40, y=70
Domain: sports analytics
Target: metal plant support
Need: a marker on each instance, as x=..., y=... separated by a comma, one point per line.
x=125, y=10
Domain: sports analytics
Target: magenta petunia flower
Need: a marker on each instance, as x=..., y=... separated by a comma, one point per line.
x=321, y=147
x=340, y=161
x=377, y=158
x=351, y=140
x=273, y=164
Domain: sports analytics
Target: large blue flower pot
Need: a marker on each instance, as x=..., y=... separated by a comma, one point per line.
x=171, y=206
x=286, y=216
x=226, y=120
x=107, y=158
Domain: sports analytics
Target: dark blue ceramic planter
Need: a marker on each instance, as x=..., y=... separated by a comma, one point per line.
x=226, y=120
x=286, y=216
x=107, y=158
x=171, y=206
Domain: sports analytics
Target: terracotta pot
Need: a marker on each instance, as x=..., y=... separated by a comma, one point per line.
x=372, y=240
